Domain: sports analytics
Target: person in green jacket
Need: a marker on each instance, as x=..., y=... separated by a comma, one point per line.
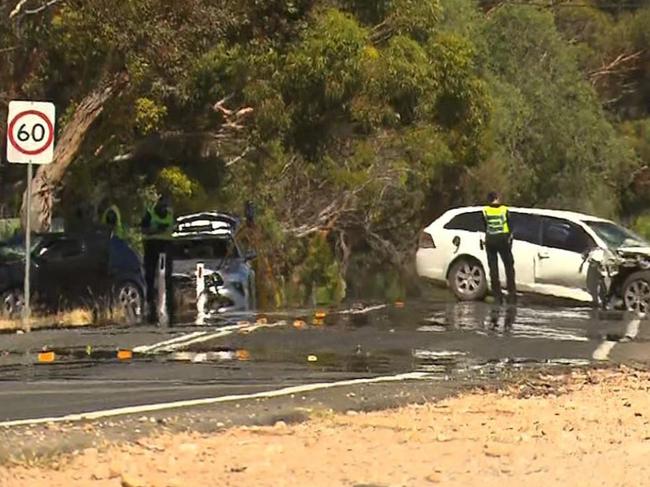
x=158, y=219
x=112, y=219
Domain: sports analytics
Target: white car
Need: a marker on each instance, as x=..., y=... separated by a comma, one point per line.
x=557, y=253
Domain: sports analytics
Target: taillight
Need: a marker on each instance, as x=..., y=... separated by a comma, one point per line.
x=426, y=241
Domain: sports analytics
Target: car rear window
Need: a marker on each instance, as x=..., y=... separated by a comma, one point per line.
x=470, y=222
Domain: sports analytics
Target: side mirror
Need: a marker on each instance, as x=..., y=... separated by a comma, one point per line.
x=250, y=255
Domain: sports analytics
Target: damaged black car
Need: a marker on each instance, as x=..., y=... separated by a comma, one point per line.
x=71, y=270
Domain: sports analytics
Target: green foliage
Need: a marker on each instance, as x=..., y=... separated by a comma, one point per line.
x=404, y=76
x=177, y=183
x=148, y=116
x=351, y=123
x=642, y=226
x=565, y=153
x=321, y=74
x=8, y=227
x=320, y=273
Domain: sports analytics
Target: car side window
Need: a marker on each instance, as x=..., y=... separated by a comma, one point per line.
x=526, y=227
x=565, y=235
x=62, y=249
x=470, y=222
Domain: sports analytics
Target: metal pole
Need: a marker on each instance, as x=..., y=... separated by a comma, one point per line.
x=28, y=251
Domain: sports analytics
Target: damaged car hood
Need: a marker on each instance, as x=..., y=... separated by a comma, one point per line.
x=641, y=251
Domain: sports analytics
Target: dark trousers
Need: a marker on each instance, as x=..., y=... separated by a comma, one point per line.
x=500, y=245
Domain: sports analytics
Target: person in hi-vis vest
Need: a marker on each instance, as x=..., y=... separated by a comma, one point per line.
x=498, y=242
x=157, y=227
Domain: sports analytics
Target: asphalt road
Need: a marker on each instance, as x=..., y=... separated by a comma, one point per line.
x=435, y=341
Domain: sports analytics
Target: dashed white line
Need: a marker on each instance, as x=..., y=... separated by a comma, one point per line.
x=148, y=408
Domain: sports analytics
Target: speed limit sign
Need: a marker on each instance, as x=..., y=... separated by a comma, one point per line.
x=30, y=132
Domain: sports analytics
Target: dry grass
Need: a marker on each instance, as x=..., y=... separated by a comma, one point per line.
x=74, y=317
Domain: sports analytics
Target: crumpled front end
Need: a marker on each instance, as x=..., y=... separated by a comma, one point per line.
x=608, y=269
x=225, y=289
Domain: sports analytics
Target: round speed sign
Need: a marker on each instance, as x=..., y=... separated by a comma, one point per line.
x=30, y=132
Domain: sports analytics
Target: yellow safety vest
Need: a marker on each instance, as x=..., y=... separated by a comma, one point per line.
x=118, y=229
x=496, y=219
x=160, y=226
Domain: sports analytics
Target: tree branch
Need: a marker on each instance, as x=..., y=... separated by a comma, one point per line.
x=615, y=66
x=18, y=10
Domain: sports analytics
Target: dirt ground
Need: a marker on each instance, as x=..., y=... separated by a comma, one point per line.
x=587, y=428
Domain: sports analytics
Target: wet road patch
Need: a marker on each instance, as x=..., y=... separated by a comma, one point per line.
x=447, y=342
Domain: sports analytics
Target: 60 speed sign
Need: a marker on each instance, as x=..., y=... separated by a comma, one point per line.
x=30, y=132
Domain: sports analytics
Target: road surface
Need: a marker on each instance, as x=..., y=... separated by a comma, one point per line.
x=290, y=352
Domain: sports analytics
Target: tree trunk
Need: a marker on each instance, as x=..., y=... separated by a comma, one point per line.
x=48, y=178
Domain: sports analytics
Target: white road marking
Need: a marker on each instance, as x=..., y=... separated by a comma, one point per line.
x=432, y=328
x=200, y=339
x=148, y=408
x=437, y=353
x=545, y=332
x=632, y=330
x=203, y=336
x=605, y=348
x=363, y=310
x=148, y=348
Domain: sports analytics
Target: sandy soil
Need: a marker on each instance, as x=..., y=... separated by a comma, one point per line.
x=587, y=429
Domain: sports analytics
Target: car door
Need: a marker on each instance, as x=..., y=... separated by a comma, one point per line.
x=527, y=237
x=71, y=268
x=561, y=259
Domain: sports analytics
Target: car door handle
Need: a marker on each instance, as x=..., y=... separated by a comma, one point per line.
x=543, y=255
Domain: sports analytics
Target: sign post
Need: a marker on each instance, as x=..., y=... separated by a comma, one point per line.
x=30, y=140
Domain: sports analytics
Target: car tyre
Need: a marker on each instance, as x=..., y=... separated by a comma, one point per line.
x=128, y=299
x=13, y=302
x=467, y=280
x=636, y=292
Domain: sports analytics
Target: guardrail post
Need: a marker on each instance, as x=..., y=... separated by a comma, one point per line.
x=161, y=285
x=201, y=297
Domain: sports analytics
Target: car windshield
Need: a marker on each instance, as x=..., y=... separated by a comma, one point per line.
x=616, y=236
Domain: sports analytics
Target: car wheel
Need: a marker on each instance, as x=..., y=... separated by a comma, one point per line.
x=467, y=280
x=129, y=302
x=636, y=292
x=13, y=302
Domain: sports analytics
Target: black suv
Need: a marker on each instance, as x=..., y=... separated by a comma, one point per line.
x=73, y=269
